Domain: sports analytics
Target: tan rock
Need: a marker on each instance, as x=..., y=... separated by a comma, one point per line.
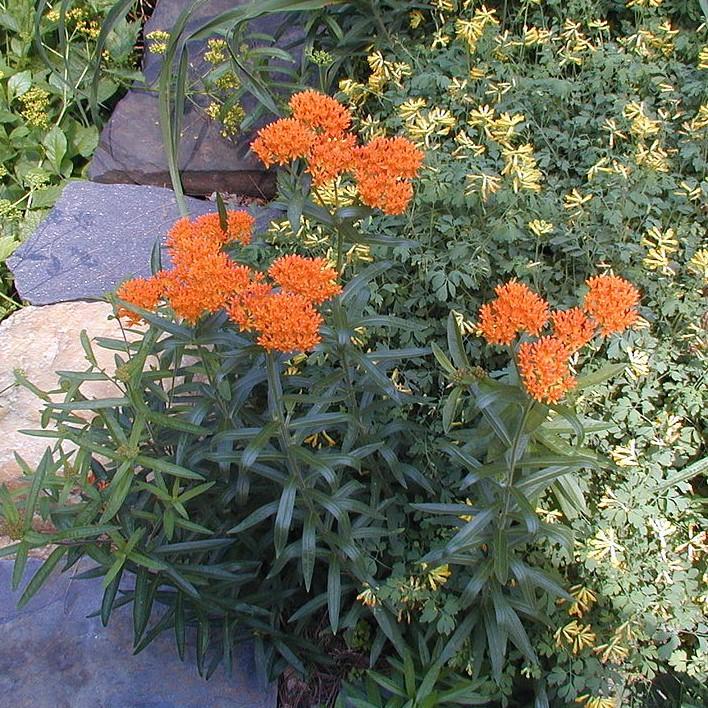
x=41, y=341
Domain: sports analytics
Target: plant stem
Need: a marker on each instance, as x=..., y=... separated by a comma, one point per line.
x=514, y=454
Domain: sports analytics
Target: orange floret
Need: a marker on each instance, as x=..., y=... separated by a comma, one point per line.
x=320, y=112
x=242, y=305
x=206, y=286
x=282, y=142
x=286, y=322
x=330, y=157
x=312, y=278
x=142, y=292
x=612, y=302
x=516, y=309
x=543, y=366
x=239, y=227
x=572, y=327
x=381, y=169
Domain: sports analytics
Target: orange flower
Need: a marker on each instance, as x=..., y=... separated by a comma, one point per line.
x=239, y=227
x=286, y=322
x=543, y=366
x=312, y=278
x=516, y=309
x=206, y=286
x=142, y=292
x=330, y=157
x=282, y=142
x=242, y=305
x=611, y=301
x=572, y=327
x=320, y=112
x=380, y=168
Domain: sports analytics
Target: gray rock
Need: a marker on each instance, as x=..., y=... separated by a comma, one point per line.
x=95, y=237
x=131, y=146
x=53, y=656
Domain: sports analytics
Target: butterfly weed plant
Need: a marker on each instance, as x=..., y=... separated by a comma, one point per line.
x=259, y=472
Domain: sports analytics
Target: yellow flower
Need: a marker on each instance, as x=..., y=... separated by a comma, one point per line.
x=35, y=106
x=662, y=245
x=157, y=41
x=520, y=164
x=699, y=264
x=654, y=157
x=642, y=126
x=610, y=126
x=416, y=19
x=604, y=544
x=595, y=701
x=584, y=600
x=644, y=3
x=574, y=202
x=411, y=107
x=367, y=597
x=436, y=577
x=576, y=634
x=703, y=58
x=539, y=227
x=216, y=51
x=625, y=456
x=483, y=183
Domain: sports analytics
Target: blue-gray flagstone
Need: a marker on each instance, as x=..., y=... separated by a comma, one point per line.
x=53, y=656
x=96, y=236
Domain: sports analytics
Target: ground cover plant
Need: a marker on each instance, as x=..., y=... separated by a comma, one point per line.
x=450, y=423
x=46, y=131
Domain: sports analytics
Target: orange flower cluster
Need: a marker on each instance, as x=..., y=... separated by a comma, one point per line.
x=287, y=320
x=204, y=280
x=312, y=278
x=318, y=132
x=383, y=170
x=543, y=366
x=609, y=307
x=573, y=328
x=611, y=301
x=516, y=309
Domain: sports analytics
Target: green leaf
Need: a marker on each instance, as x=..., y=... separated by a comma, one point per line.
x=223, y=216
x=693, y=470
x=501, y=554
x=449, y=411
x=334, y=592
x=309, y=548
x=117, y=491
x=446, y=364
x=166, y=467
x=604, y=374
x=260, y=514
x=18, y=85
x=42, y=574
x=55, y=145
x=109, y=595
x=455, y=343
x=142, y=603
x=284, y=516
x=37, y=481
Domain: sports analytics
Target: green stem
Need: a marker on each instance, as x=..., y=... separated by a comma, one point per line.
x=514, y=453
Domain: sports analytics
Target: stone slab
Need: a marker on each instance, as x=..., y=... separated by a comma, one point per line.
x=131, y=147
x=40, y=341
x=53, y=656
x=95, y=237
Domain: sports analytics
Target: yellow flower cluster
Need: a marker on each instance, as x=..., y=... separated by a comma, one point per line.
x=471, y=30
x=662, y=245
x=35, y=106
x=157, y=41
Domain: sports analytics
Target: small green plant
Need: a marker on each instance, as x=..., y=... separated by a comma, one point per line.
x=46, y=135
